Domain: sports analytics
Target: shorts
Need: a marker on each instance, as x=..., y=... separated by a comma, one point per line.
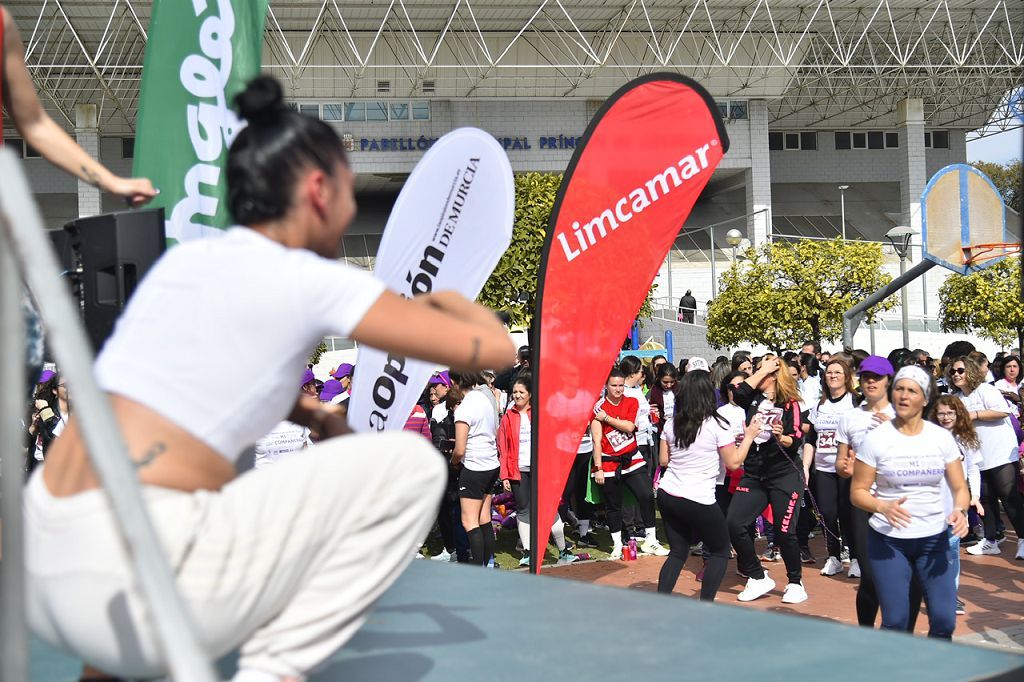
x=476, y=485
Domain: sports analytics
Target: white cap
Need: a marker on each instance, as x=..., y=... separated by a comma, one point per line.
x=697, y=363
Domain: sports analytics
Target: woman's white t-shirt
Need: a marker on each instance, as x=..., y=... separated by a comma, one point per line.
x=477, y=412
x=1006, y=386
x=669, y=399
x=855, y=424
x=913, y=467
x=970, y=458
x=525, y=435
x=998, y=441
x=285, y=439
x=644, y=428
x=692, y=471
x=826, y=418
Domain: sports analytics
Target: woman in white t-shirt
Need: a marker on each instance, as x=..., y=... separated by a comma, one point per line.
x=515, y=435
x=999, y=454
x=949, y=413
x=283, y=563
x=875, y=374
x=831, y=492
x=693, y=444
x=633, y=369
x=476, y=451
x=906, y=460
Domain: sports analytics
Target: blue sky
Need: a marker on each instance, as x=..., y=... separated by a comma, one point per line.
x=1001, y=148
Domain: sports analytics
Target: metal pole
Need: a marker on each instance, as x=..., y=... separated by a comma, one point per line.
x=842, y=211
x=20, y=219
x=871, y=329
x=904, y=313
x=671, y=299
x=853, y=316
x=714, y=274
x=13, y=402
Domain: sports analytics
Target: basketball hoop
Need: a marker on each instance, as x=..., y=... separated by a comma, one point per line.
x=981, y=253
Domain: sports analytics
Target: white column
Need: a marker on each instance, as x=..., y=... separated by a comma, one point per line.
x=759, y=177
x=913, y=171
x=87, y=133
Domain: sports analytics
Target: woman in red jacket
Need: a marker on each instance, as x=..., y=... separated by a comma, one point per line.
x=514, y=436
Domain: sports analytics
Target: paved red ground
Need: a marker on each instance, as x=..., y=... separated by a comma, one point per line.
x=992, y=587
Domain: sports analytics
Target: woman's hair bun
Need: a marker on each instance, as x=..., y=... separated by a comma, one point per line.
x=261, y=101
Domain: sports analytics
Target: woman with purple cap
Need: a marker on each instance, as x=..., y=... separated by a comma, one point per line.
x=875, y=376
x=283, y=563
x=905, y=460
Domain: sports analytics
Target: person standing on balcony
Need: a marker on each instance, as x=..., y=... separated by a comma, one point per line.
x=687, y=307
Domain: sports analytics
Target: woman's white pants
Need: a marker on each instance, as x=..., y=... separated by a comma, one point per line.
x=284, y=562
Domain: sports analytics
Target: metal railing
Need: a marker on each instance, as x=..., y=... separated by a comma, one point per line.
x=24, y=248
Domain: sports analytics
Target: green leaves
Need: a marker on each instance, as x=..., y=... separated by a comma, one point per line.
x=786, y=293
x=986, y=303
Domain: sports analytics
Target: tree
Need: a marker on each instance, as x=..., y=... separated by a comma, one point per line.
x=986, y=303
x=317, y=353
x=512, y=287
x=1007, y=179
x=786, y=293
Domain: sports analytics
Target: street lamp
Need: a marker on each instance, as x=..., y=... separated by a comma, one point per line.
x=899, y=237
x=734, y=238
x=842, y=208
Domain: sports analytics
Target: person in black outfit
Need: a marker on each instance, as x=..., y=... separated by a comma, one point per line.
x=504, y=380
x=773, y=474
x=687, y=307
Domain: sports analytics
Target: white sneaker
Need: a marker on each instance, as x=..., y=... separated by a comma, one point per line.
x=445, y=555
x=417, y=555
x=756, y=588
x=845, y=555
x=832, y=566
x=616, y=554
x=795, y=593
x=854, y=571
x=652, y=546
x=1020, y=550
x=985, y=547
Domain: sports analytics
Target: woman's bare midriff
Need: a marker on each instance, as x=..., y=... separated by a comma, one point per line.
x=165, y=455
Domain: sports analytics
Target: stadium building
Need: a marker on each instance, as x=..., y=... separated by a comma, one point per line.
x=838, y=111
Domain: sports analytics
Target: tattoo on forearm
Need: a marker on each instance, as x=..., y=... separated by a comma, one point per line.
x=476, y=351
x=91, y=176
x=151, y=454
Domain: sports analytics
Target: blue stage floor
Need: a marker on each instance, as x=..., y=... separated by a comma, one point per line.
x=450, y=623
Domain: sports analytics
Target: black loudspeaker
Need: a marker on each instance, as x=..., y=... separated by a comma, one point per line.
x=113, y=252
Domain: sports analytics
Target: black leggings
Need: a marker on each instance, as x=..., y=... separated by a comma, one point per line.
x=867, y=596
x=998, y=484
x=782, y=490
x=687, y=523
x=575, y=494
x=521, y=491
x=640, y=484
x=832, y=493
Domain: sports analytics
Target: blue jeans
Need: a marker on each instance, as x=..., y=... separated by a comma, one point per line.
x=895, y=560
x=954, y=556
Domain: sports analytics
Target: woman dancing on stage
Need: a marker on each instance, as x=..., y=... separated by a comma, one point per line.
x=284, y=562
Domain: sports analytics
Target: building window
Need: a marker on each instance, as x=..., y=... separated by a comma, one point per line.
x=376, y=111
x=16, y=145
x=868, y=139
x=843, y=139
x=809, y=141
x=876, y=139
x=355, y=111
x=940, y=139
x=723, y=109
x=805, y=141
x=892, y=140
x=31, y=152
x=399, y=111
x=421, y=111
x=127, y=147
x=738, y=110
x=332, y=112
x=311, y=110
x=775, y=142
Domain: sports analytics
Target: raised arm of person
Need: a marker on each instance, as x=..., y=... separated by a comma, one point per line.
x=474, y=339
x=734, y=456
x=45, y=136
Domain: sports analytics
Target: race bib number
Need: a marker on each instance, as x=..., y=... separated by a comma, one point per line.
x=827, y=442
x=619, y=440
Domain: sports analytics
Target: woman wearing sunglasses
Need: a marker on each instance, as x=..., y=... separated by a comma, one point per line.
x=991, y=415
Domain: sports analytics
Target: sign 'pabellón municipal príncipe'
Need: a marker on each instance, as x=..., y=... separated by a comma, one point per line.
x=423, y=143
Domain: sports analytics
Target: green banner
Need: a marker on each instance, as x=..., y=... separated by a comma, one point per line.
x=199, y=55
